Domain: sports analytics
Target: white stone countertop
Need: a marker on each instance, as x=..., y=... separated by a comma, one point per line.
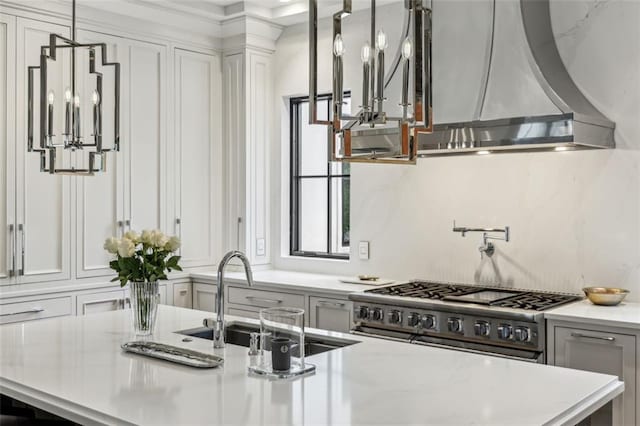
x=73, y=367
x=290, y=280
x=626, y=314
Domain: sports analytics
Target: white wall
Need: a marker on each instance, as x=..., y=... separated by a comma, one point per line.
x=574, y=216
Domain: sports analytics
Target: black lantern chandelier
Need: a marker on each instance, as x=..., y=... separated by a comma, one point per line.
x=61, y=124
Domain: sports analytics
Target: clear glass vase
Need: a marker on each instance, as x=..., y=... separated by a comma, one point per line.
x=144, y=306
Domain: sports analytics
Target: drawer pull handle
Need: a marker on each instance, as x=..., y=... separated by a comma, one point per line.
x=30, y=311
x=331, y=304
x=183, y=292
x=260, y=299
x=587, y=336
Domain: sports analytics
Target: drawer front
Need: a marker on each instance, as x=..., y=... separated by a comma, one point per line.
x=182, y=295
x=103, y=301
x=35, y=309
x=264, y=299
x=244, y=313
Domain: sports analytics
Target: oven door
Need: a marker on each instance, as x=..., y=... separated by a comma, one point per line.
x=497, y=351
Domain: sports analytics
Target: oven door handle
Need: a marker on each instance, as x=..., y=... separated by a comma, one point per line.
x=377, y=336
x=474, y=351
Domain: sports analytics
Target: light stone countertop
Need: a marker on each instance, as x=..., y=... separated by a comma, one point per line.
x=73, y=366
x=290, y=280
x=626, y=314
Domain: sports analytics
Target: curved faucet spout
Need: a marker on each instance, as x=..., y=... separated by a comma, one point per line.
x=218, y=332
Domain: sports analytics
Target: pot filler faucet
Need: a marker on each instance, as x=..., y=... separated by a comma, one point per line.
x=487, y=247
x=218, y=326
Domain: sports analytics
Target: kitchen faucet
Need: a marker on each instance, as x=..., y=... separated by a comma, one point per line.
x=218, y=327
x=487, y=247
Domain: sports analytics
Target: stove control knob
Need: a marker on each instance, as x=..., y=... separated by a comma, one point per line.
x=522, y=334
x=395, y=317
x=504, y=331
x=428, y=322
x=413, y=319
x=363, y=313
x=455, y=325
x=377, y=314
x=482, y=328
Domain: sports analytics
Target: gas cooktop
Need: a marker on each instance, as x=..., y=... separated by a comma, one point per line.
x=490, y=296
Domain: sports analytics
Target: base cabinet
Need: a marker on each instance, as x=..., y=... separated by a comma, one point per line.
x=182, y=295
x=600, y=350
x=204, y=297
x=103, y=301
x=330, y=314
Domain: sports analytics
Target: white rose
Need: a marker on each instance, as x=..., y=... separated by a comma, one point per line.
x=146, y=237
x=126, y=248
x=158, y=239
x=173, y=244
x=111, y=245
x=133, y=236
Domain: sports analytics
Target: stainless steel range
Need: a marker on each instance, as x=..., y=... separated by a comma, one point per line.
x=502, y=322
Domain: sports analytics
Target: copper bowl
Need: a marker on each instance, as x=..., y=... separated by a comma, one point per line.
x=605, y=295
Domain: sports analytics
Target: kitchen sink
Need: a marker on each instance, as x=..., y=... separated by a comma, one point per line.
x=239, y=334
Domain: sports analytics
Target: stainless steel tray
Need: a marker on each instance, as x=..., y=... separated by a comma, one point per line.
x=174, y=354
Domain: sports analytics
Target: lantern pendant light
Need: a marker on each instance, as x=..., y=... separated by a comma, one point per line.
x=71, y=109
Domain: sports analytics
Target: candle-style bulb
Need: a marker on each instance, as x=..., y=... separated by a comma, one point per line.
x=338, y=45
x=67, y=95
x=51, y=98
x=365, y=53
x=407, y=48
x=381, y=40
x=76, y=101
x=95, y=97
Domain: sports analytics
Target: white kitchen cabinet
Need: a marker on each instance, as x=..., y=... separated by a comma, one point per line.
x=198, y=157
x=144, y=136
x=35, y=308
x=7, y=149
x=43, y=201
x=102, y=301
x=258, y=298
x=182, y=295
x=330, y=314
x=100, y=198
x=204, y=297
x=603, y=351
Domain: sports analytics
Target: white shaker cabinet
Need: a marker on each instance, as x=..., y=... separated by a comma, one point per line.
x=198, y=157
x=330, y=314
x=182, y=296
x=43, y=201
x=204, y=297
x=7, y=149
x=600, y=350
x=102, y=301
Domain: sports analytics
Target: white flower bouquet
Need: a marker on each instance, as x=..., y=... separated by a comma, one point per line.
x=145, y=257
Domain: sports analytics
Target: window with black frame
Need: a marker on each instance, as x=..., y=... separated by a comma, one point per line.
x=319, y=188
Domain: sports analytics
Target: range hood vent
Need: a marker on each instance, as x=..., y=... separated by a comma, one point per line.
x=576, y=125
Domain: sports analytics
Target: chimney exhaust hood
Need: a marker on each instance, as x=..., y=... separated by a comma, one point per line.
x=574, y=123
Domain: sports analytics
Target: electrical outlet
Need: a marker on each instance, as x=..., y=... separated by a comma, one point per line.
x=260, y=247
x=363, y=250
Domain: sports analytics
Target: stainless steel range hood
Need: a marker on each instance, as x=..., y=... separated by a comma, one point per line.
x=569, y=122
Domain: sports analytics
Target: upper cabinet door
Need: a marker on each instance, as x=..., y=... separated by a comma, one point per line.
x=144, y=138
x=43, y=212
x=100, y=199
x=198, y=152
x=7, y=149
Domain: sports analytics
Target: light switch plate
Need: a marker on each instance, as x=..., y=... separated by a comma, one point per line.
x=363, y=250
x=260, y=247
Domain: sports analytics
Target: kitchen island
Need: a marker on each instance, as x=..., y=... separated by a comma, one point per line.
x=73, y=367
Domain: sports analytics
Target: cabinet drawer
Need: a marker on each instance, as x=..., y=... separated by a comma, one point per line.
x=330, y=314
x=244, y=313
x=35, y=309
x=103, y=301
x=264, y=299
